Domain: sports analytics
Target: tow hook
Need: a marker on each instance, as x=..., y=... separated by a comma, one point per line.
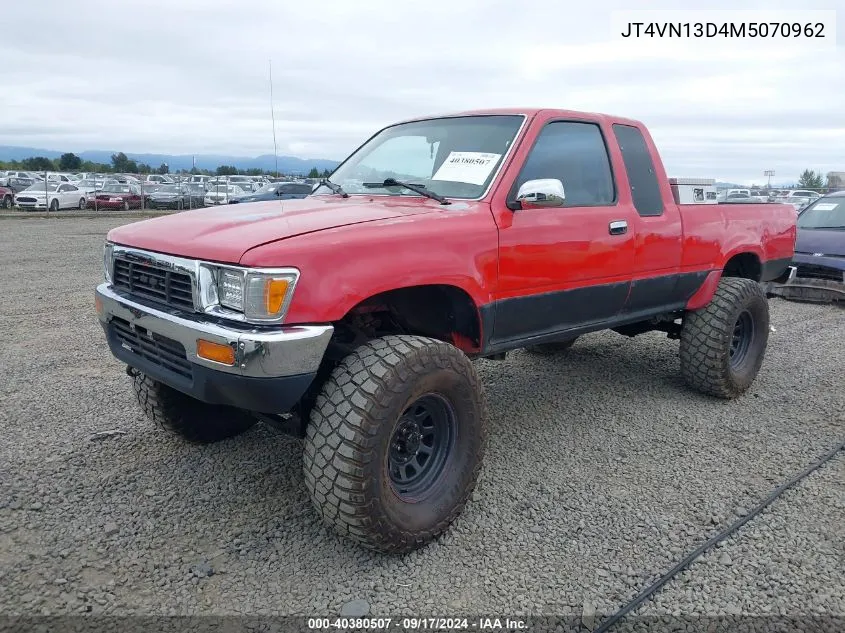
x=132, y=372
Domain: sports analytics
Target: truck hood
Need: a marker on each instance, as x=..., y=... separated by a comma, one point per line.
x=223, y=234
x=828, y=241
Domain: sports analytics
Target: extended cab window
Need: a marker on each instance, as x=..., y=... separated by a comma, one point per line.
x=575, y=154
x=642, y=177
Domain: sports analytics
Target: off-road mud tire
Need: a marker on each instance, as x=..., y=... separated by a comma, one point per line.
x=352, y=431
x=194, y=420
x=708, y=333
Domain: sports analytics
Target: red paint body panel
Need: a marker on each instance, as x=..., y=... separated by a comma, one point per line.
x=225, y=233
x=349, y=249
x=454, y=245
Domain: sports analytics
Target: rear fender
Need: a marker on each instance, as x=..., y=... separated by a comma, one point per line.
x=705, y=293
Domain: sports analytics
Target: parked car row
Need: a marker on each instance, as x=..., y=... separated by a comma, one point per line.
x=116, y=192
x=798, y=198
x=20, y=180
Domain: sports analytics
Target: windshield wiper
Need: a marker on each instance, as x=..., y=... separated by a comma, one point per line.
x=420, y=189
x=838, y=228
x=336, y=188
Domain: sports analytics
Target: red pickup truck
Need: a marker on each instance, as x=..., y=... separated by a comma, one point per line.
x=352, y=317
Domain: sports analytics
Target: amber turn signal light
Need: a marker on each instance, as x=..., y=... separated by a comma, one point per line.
x=275, y=291
x=98, y=304
x=217, y=352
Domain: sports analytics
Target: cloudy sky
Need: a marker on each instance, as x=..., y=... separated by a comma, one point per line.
x=191, y=77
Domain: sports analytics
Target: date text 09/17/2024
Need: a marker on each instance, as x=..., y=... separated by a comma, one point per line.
x=418, y=624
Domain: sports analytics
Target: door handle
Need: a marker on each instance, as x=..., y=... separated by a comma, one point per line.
x=617, y=227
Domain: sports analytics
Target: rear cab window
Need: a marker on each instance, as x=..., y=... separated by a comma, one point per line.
x=645, y=189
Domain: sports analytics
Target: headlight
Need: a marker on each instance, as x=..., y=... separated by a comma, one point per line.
x=108, y=262
x=258, y=295
x=230, y=289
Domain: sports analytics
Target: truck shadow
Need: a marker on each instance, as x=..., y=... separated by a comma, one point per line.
x=576, y=461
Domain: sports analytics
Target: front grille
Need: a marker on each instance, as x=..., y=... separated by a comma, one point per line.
x=154, y=348
x=156, y=284
x=19, y=199
x=818, y=272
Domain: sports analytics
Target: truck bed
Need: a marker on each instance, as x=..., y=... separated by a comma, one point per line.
x=713, y=232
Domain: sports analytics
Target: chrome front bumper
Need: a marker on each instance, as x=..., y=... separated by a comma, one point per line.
x=281, y=351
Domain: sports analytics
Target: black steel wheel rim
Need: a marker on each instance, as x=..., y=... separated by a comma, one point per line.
x=741, y=339
x=420, y=446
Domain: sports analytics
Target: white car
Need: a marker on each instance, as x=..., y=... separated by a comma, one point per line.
x=58, y=177
x=244, y=182
x=159, y=179
x=91, y=186
x=217, y=181
x=52, y=196
x=800, y=198
x=223, y=194
x=19, y=180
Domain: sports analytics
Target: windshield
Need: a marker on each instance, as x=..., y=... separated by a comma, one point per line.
x=268, y=188
x=456, y=157
x=168, y=189
x=118, y=188
x=824, y=213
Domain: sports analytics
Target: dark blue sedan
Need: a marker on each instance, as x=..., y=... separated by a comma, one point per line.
x=279, y=191
x=818, y=267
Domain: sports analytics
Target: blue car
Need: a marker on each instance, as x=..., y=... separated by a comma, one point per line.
x=817, y=272
x=279, y=191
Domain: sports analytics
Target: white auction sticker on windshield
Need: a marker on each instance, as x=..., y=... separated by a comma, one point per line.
x=469, y=167
x=825, y=206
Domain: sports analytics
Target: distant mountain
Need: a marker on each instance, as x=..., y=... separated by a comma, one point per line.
x=287, y=164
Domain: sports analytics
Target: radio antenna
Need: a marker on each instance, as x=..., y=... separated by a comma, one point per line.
x=273, y=118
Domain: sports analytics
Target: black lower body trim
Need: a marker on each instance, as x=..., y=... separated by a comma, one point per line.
x=662, y=291
x=549, y=312
x=775, y=269
x=552, y=316
x=266, y=395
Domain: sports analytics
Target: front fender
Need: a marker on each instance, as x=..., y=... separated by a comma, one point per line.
x=341, y=267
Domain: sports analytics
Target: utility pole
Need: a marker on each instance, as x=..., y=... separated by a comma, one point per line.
x=769, y=173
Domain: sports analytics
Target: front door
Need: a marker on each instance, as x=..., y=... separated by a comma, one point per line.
x=564, y=267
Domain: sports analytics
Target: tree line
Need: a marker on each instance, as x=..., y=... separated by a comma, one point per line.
x=122, y=164
x=810, y=179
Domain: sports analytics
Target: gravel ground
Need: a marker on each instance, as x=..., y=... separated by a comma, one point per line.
x=603, y=471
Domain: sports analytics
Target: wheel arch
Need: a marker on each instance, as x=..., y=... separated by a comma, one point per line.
x=744, y=263
x=443, y=311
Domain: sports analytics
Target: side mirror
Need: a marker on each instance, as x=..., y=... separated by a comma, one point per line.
x=544, y=192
